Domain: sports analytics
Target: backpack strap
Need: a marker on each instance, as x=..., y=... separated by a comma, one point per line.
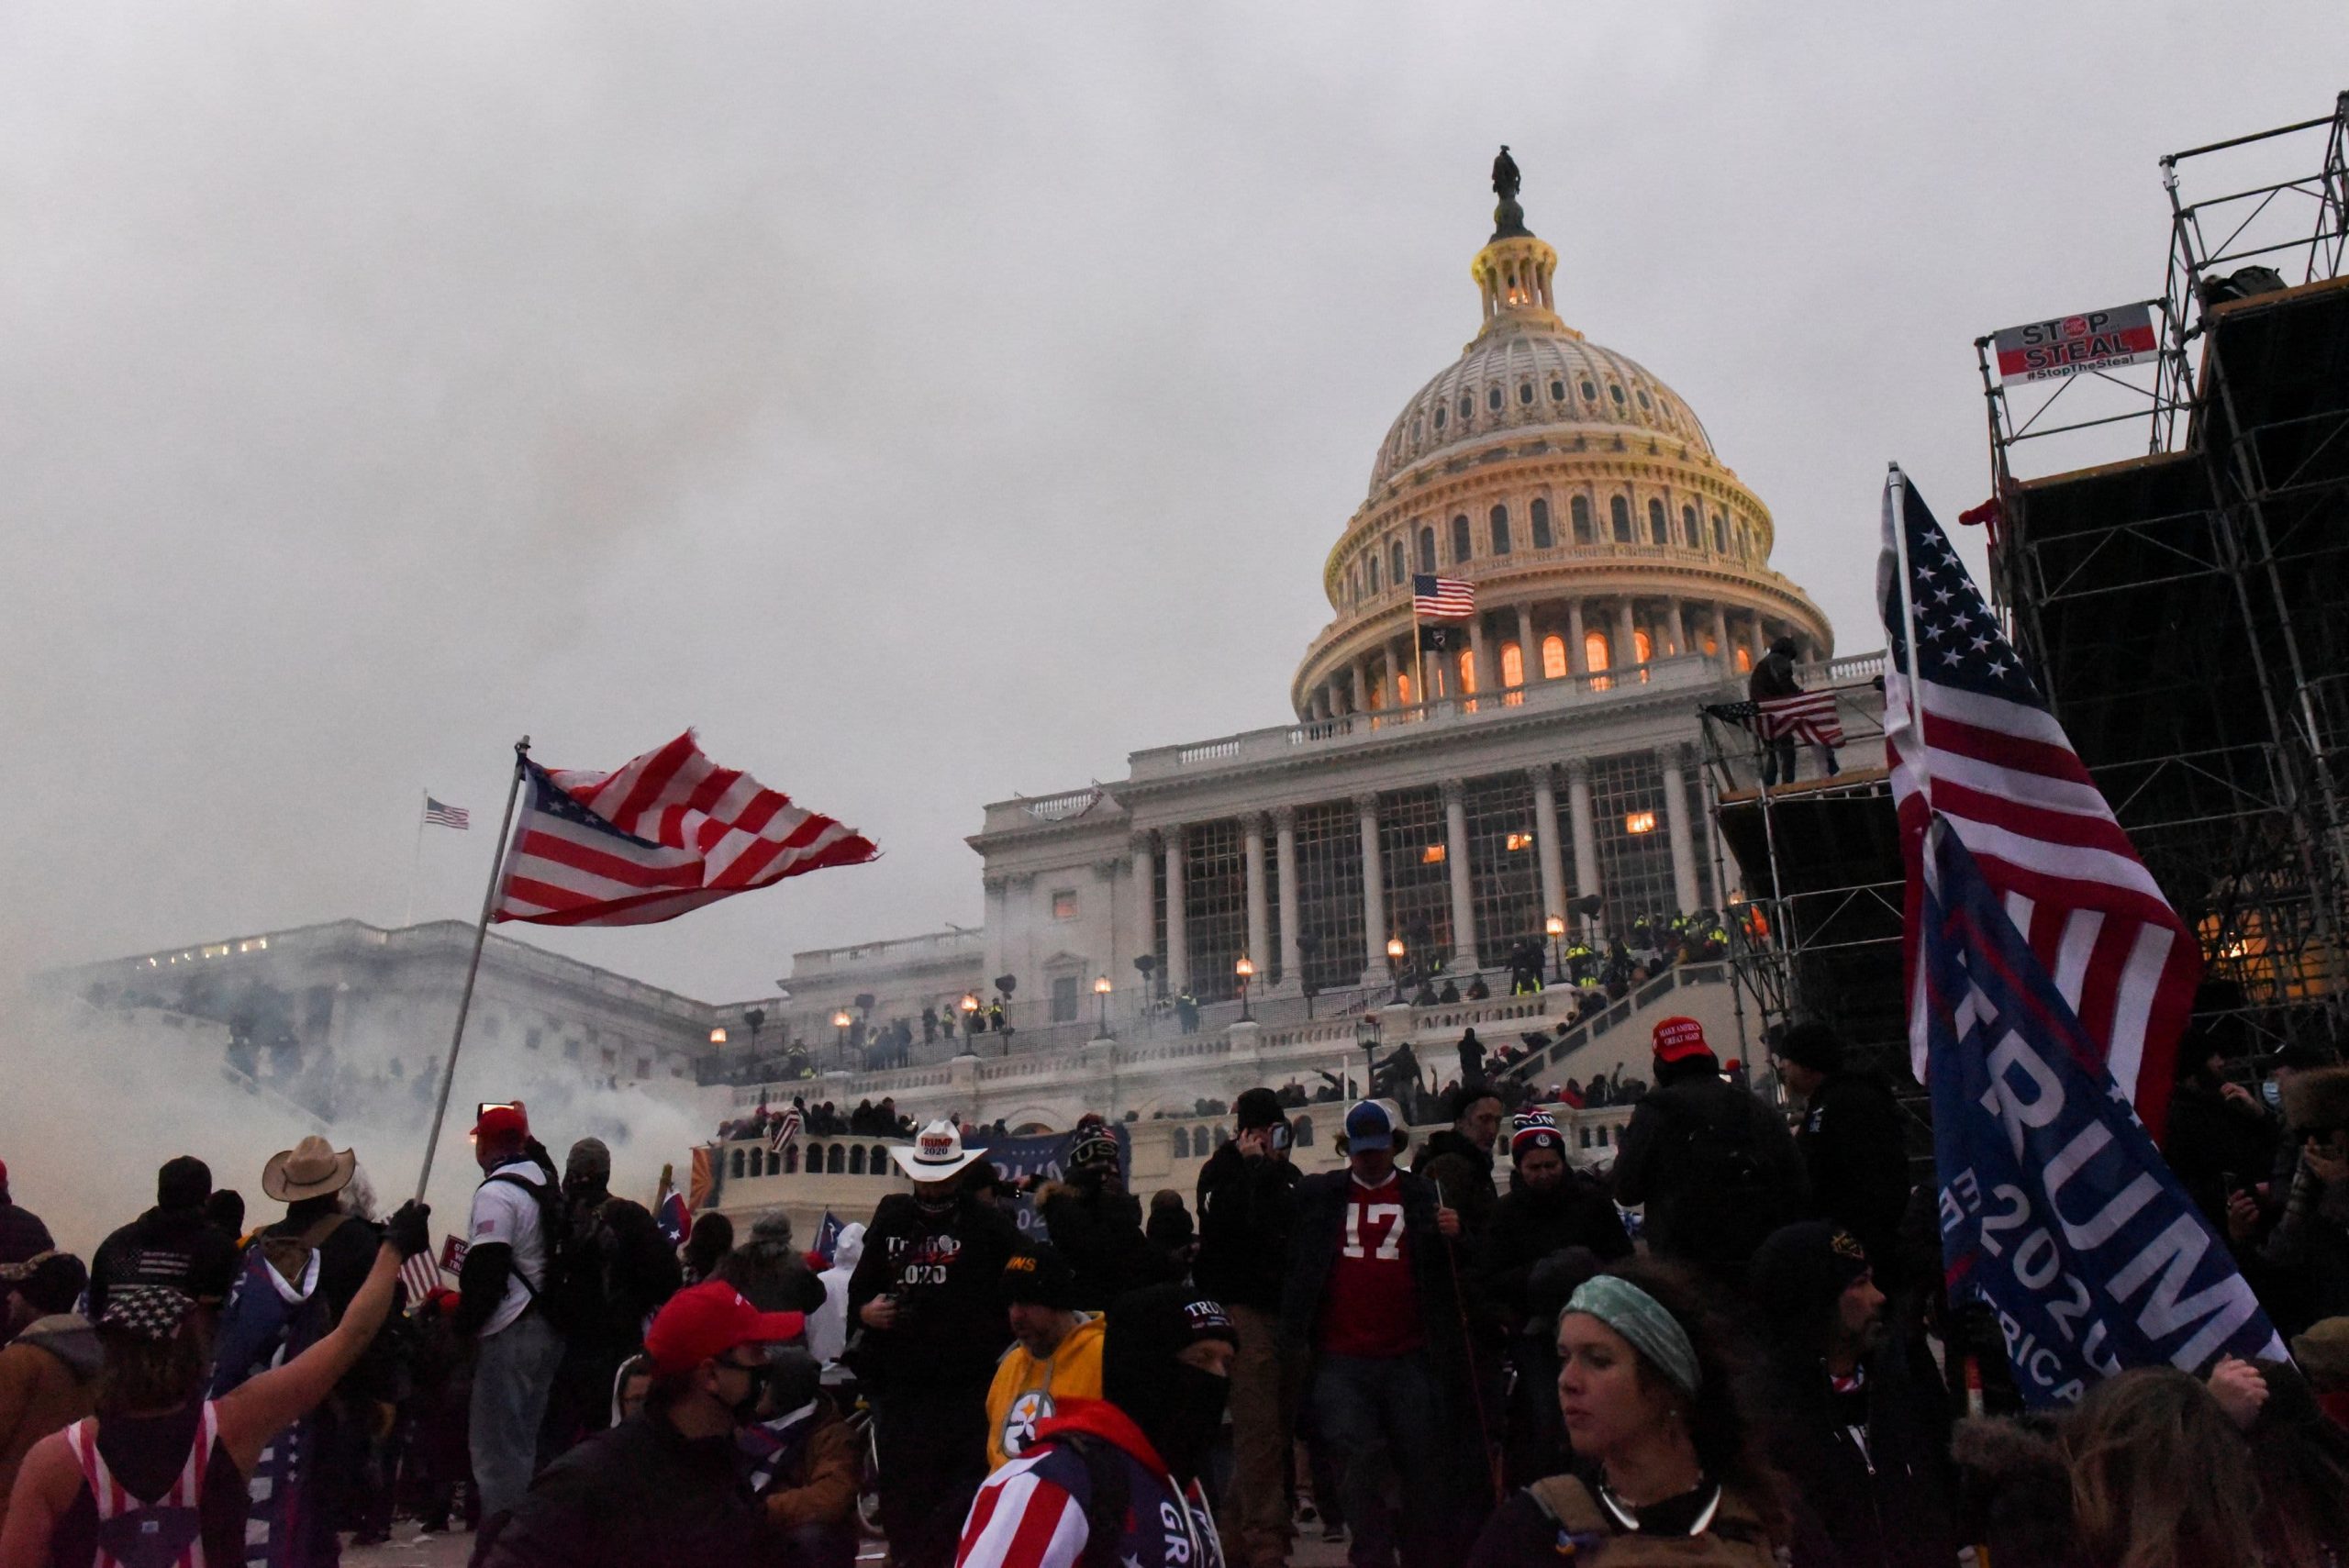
x=1567, y=1503
x=538, y=1190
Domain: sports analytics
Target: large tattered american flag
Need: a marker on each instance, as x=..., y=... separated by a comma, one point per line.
x=669, y=832
x=1970, y=738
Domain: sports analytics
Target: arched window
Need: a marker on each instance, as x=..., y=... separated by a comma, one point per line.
x=1468, y=671
x=1553, y=658
x=879, y=1162
x=1541, y=540
x=1394, y=568
x=737, y=1162
x=1557, y=389
x=1439, y=416
x=1720, y=534
x=1182, y=1143
x=1493, y=398
x=1578, y=513
x=1468, y=407
x=1460, y=542
x=1642, y=646
x=856, y=1161
x=836, y=1162
x=1372, y=563
x=1619, y=512
x=1744, y=657
x=1689, y=528
x=1404, y=696
x=1617, y=392
x=1593, y=651
x=1427, y=549
x=1659, y=528
x=1525, y=391
x=791, y=1159
x=1512, y=664
x=1500, y=530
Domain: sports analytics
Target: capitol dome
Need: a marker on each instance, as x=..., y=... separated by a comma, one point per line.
x=1578, y=494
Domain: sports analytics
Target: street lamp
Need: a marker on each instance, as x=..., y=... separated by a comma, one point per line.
x=1394, y=964
x=1366, y=1036
x=1246, y=970
x=841, y=1021
x=718, y=1035
x=1101, y=995
x=754, y=1017
x=1556, y=926
x=970, y=1005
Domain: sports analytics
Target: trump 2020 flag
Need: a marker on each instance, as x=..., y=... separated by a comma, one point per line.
x=2056, y=1207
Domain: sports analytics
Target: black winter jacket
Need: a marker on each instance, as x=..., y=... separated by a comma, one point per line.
x=177, y=1247
x=1100, y=1234
x=1883, y=1503
x=1246, y=1210
x=1529, y=1225
x=639, y=1495
x=946, y=1271
x=1857, y=1163
x=1671, y=1159
x=1464, y=1173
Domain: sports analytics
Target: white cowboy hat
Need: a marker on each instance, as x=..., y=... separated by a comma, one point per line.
x=936, y=1154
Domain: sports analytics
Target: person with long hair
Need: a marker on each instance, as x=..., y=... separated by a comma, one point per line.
x=1666, y=1449
x=161, y=1466
x=2160, y=1476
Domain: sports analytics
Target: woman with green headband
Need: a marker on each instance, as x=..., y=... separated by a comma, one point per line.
x=1666, y=1468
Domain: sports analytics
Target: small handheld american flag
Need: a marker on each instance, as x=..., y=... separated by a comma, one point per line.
x=1442, y=598
x=437, y=815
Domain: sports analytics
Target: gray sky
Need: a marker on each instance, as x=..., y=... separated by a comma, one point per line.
x=926, y=402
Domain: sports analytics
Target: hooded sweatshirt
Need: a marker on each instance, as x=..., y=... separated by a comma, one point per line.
x=48, y=1376
x=1029, y=1390
x=827, y=1325
x=1041, y=1509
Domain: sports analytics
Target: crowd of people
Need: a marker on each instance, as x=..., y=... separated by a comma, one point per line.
x=1451, y=1345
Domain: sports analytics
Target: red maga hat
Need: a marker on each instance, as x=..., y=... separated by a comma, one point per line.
x=710, y=1319
x=1678, y=1038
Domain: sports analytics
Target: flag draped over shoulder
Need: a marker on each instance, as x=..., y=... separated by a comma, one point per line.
x=1968, y=736
x=669, y=832
x=2056, y=1207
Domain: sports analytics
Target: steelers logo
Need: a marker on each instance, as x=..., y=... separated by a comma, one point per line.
x=1019, y=1421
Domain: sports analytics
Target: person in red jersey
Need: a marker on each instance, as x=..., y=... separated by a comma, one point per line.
x=1372, y=1310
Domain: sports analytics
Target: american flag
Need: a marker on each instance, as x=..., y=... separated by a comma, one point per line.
x=669, y=832
x=1442, y=598
x=783, y=1130
x=421, y=1274
x=440, y=815
x=1805, y=715
x=1971, y=740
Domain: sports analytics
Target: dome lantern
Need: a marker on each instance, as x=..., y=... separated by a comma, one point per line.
x=1514, y=276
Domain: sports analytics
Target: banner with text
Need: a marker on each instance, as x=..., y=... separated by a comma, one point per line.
x=2094, y=339
x=1040, y=1159
x=2056, y=1207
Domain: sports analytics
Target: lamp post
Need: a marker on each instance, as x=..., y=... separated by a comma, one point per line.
x=754, y=1017
x=718, y=1035
x=1366, y=1036
x=970, y=1005
x=1246, y=970
x=841, y=1021
x=1101, y=996
x=1556, y=926
x=1394, y=964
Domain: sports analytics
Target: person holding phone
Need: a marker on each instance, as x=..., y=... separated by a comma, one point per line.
x=1246, y=1199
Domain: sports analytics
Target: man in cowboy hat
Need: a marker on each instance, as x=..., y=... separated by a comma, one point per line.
x=925, y=1294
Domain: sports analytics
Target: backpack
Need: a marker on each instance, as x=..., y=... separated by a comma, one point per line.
x=1728, y=1201
x=571, y=1296
x=1736, y=1538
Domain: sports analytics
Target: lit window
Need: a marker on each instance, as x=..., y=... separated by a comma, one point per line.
x=1640, y=822
x=1641, y=646
x=1578, y=512
x=1540, y=510
x=1744, y=658
x=1512, y=664
x=215, y=950
x=1619, y=511
x=1553, y=658
x=1431, y=855
x=1518, y=841
x=1593, y=651
x=1468, y=671
x=1403, y=690
x=1659, y=530
x=1460, y=542
x=1064, y=904
x=1500, y=530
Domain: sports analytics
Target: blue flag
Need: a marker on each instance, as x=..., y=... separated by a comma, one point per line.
x=2056, y=1207
x=828, y=1237
x=1045, y=1158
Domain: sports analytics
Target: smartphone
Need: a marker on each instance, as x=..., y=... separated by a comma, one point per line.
x=1280, y=1139
x=2271, y=1093
x=482, y=1107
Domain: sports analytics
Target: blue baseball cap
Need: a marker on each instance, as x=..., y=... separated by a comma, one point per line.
x=1367, y=1127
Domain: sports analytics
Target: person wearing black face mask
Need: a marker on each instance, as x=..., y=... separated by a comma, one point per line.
x=664, y=1489
x=800, y=1459
x=1116, y=1480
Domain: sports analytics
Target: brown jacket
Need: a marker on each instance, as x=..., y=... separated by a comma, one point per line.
x=820, y=1489
x=48, y=1376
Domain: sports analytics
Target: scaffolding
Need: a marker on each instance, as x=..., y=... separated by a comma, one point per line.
x=2183, y=609
x=1816, y=931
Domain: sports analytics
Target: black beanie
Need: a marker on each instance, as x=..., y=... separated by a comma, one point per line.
x=1813, y=1045
x=1796, y=1274
x=1170, y=1402
x=1040, y=1277
x=1257, y=1107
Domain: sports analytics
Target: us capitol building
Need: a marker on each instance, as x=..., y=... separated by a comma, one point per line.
x=1621, y=577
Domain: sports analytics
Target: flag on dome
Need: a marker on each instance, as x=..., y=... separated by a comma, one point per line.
x=669, y=832
x=1969, y=737
x=1442, y=598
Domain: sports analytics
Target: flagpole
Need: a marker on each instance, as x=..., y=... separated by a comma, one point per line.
x=1896, y=499
x=472, y=968
x=1418, y=657
x=415, y=860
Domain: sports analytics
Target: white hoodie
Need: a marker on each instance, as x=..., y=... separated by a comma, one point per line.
x=827, y=1325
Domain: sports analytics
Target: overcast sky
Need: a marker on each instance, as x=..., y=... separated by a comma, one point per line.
x=926, y=402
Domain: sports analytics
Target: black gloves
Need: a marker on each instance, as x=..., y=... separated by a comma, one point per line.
x=410, y=1230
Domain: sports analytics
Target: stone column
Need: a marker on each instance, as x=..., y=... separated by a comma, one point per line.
x=1627, y=643
x=999, y=923
x=1455, y=860
x=1178, y=958
x=1721, y=646
x=1761, y=639
x=1545, y=839
x=1529, y=652
x=1145, y=897
x=1585, y=834
x=1481, y=650
x=1674, y=759
x=1577, y=655
x=1260, y=930
x=1398, y=664
x=1373, y=893
x=1362, y=688
x=1285, y=862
